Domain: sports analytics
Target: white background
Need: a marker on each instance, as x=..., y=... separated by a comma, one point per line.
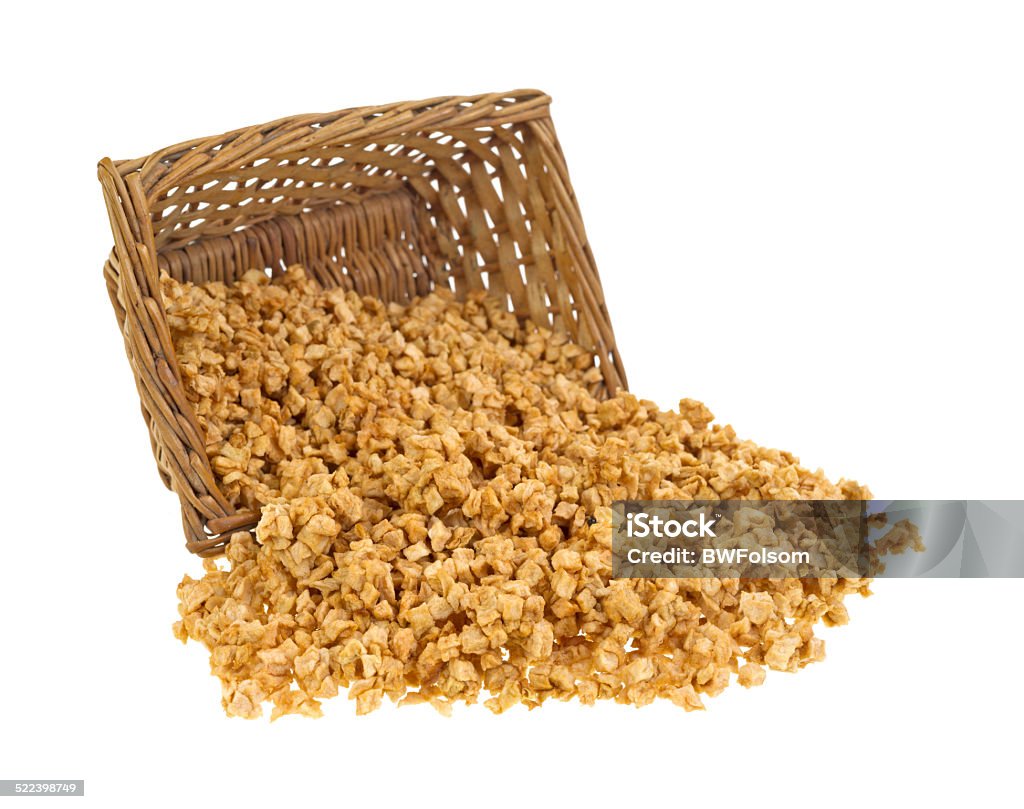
x=807, y=215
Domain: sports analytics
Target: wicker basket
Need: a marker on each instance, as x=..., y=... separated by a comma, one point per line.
x=392, y=201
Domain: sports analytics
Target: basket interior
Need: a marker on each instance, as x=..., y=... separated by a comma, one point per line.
x=464, y=209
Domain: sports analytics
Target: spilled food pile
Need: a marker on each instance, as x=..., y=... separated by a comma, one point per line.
x=435, y=482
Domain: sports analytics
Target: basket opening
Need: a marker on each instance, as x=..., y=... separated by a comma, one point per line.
x=466, y=207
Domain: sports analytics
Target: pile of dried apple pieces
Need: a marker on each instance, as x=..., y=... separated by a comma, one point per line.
x=435, y=483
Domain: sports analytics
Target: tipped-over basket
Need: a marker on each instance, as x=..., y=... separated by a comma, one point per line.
x=467, y=193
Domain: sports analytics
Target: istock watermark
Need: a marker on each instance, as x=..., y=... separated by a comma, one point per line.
x=817, y=538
